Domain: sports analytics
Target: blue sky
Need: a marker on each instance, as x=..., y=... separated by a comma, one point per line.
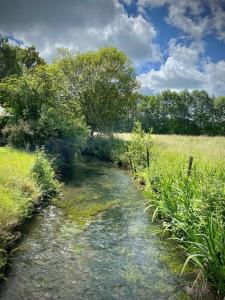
x=175, y=44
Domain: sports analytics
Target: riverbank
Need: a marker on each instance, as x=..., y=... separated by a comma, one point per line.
x=26, y=179
x=190, y=205
x=96, y=242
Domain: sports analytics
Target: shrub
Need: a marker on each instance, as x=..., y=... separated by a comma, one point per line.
x=44, y=175
x=139, y=147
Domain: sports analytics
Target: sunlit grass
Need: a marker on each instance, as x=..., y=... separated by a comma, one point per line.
x=210, y=149
x=17, y=187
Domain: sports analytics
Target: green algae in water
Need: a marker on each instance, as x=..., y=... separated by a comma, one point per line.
x=81, y=212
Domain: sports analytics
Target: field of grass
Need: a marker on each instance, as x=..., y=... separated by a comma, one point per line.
x=191, y=207
x=202, y=148
x=24, y=180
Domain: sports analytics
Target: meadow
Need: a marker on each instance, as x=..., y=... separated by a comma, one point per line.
x=202, y=148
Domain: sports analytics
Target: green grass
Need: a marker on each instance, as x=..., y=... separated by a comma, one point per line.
x=25, y=178
x=18, y=189
x=211, y=149
x=191, y=207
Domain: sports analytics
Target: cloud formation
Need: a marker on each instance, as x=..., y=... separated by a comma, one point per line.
x=79, y=25
x=182, y=71
x=196, y=18
x=89, y=24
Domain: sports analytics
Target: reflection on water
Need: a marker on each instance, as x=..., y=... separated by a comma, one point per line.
x=115, y=254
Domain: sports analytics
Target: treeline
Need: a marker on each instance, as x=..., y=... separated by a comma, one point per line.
x=170, y=112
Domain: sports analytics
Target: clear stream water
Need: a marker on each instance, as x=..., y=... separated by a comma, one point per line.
x=116, y=254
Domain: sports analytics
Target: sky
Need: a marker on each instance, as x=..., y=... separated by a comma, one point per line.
x=174, y=44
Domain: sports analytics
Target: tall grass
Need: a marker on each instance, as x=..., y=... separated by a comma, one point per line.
x=191, y=207
x=25, y=179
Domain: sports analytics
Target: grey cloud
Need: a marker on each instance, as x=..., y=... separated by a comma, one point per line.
x=80, y=25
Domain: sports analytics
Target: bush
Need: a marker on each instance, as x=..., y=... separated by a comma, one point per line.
x=44, y=175
x=139, y=147
x=106, y=147
x=19, y=135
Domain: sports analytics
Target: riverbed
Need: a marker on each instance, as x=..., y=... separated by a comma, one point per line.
x=96, y=242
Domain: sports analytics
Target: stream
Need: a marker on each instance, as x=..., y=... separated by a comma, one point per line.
x=96, y=242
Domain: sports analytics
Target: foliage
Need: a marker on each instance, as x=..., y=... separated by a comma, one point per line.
x=44, y=175
x=15, y=60
x=103, y=82
x=219, y=121
x=192, y=113
x=43, y=113
x=106, y=147
x=139, y=147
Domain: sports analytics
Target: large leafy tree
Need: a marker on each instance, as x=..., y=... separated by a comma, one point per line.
x=42, y=111
x=103, y=82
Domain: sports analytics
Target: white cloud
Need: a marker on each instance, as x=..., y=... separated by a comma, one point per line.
x=189, y=15
x=218, y=15
x=180, y=72
x=214, y=77
x=80, y=25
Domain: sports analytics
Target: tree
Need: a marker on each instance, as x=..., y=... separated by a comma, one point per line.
x=202, y=111
x=9, y=63
x=14, y=60
x=219, y=120
x=43, y=112
x=103, y=82
x=30, y=57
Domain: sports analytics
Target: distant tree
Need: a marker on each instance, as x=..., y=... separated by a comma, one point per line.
x=202, y=110
x=220, y=115
x=181, y=112
x=148, y=113
x=103, y=82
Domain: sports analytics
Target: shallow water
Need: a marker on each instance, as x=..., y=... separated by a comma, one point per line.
x=113, y=254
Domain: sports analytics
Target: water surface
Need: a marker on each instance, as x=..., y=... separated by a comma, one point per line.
x=95, y=243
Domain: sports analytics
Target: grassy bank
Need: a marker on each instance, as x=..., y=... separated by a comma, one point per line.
x=25, y=180
x=191, y=207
